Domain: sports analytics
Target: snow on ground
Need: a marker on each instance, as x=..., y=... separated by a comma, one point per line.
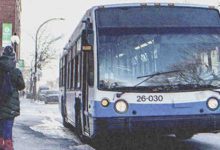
x=51, y=124
x=51, y=127
x=208, y=138
x=39, y=127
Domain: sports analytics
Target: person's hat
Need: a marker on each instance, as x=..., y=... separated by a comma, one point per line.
x=9, y=51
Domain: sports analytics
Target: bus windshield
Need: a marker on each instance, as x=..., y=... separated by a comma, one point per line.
x=166, y=56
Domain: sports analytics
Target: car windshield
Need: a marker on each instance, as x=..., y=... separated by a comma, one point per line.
x=52, y=92
x=179, y=56
x=43, y=91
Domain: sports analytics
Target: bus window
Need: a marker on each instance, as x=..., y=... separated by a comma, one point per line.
x=68, y=71
x=77, y=72
x=63, y=70
x=72, y=73
x=71, y=69
x=88, y=40
x=60, y=73
x=78, y=44
x=91, y=70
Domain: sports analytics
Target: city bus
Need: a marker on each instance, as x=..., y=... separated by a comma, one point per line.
x=142, y=68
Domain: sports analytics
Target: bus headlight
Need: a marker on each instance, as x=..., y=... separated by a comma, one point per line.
x=121, y=106
x=213, y=103
x=105, y=102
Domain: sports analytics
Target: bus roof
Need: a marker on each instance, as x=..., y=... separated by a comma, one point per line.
x=153, y=4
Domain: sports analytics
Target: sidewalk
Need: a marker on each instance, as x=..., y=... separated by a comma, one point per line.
x=39, y=127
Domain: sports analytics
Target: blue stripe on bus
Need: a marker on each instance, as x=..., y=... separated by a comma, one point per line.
x=194, y=108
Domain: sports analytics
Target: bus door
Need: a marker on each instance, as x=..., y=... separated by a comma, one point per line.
x=87, y=63
x=85, y=91
x=69, y=92
x=81, y=93
x=78, y=92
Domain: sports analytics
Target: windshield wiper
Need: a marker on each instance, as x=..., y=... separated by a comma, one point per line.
x=158, y=73
x=149, y=77
x=155, y=74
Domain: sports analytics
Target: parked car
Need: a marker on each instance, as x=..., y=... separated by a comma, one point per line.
x=41, y=95
x=29, y=95
x=40, y=89
x=51, y=96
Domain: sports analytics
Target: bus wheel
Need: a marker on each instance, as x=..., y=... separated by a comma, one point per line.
x=183, y=135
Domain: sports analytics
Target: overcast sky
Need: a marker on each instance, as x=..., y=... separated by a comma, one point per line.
x=34, y=12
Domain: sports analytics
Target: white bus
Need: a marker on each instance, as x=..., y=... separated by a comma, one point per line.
x=138, y=68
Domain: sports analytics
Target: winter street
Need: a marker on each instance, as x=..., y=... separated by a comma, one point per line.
x=110, y=75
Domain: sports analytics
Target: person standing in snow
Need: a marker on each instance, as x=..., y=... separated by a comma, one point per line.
x=10, y=108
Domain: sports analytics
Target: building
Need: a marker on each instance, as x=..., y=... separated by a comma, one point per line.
x=10, y=23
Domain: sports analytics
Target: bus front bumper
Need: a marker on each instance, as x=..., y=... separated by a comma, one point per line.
x=163, y=125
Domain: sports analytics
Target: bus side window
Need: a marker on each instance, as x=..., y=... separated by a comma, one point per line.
x=66, y=73
x=77, y=72
x=72, y=73
x=88, y=39
x=91, y=69
x=69, y=71
x=72, y=68
x=60, y=73
x=63, y=72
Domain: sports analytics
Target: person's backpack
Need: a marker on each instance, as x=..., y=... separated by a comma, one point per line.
x=6, y=87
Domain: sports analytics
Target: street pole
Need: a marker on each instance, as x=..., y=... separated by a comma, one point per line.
x=31, y=78
x=15, y=41
x=15, y=45
x=36, y=55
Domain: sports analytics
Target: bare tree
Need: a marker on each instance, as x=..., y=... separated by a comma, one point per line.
x=46, y=50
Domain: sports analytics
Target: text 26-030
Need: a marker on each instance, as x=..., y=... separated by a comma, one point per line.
x=150, y=98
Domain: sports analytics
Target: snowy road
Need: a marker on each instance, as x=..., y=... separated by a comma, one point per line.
x=40, y=128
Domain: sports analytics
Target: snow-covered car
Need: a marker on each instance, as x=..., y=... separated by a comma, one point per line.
x=41, y=94
x=51, y=96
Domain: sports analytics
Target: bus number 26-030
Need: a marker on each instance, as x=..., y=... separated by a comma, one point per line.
x=151, y=98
